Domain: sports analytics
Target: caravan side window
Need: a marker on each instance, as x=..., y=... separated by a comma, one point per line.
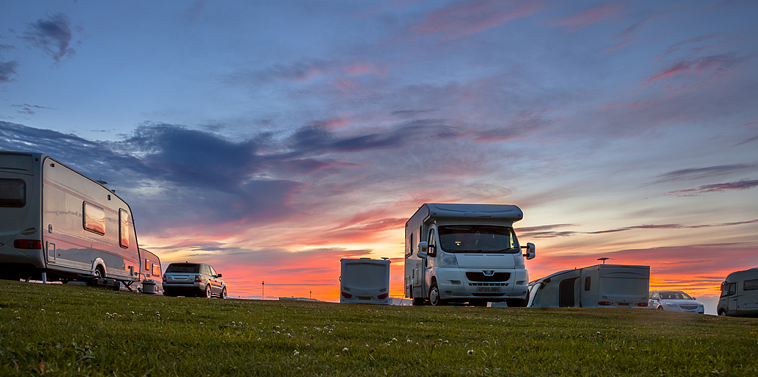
x=123, y=228
x=156, y=269
x=587, y=283
x=750, y=285
x=12, y=193
x=94, y=218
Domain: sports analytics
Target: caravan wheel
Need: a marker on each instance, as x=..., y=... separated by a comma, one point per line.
x=434, y=295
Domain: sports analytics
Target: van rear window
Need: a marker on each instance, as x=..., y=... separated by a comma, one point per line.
x=12, y=193
x=189, y=268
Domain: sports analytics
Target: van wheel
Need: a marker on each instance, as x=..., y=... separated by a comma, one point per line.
x=434, y=296
x=223, y=294
x=722, y=312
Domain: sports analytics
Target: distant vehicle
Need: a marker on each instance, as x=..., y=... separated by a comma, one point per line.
x=465, y=253
x=365, y=281
x=675, y=301
x=739, y=294
x=193, y=279
x=602, y=285
x=58, y=224
x=150, y=272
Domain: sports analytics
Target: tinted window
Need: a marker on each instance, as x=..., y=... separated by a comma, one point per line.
x=432, y=244
x=190, y=268
x=123, y=228
x=94, y=218
x=477, y=238
x=750, y=285
x=12, y=193
x=587, y=283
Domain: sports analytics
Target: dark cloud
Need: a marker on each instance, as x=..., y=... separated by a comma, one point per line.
x=545, y=231
x=53, y=36
x=676, y=46
x=8, y=71
x=701, y=173
x=718, y=187
x=749, y=140
x=27, y=109
x=674, y=226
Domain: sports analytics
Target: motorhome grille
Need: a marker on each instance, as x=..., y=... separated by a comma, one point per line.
x=688, y=307
x=479, y=276
x=487, y=284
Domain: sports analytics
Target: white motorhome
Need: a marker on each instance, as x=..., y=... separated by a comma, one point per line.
x=150, y=272
x=365, y=281
x=59, y=224
x=602, y=285
x=465, y=253
x=739, y=294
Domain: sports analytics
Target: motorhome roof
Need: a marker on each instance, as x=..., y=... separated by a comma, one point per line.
x=491, y=211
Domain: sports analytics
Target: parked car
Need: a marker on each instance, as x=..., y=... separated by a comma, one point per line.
x=193, y=279
x=675, y=301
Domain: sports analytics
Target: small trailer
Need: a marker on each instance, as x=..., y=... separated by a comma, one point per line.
x=365, y=281
x=739, y=294
x=603, y=285
x=56, y=223
x=150, y=272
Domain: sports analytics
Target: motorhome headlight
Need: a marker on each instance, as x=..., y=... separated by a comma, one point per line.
x=448, y=260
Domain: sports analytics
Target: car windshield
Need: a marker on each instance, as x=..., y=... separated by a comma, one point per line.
x=189, y=268
x=674, y=295
x=477, y=239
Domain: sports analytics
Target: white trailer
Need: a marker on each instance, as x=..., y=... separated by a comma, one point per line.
x=739, y=294
x=465, y=253
x=150, y=272
x=56, y=223
x=602, y=285
x=365, y=281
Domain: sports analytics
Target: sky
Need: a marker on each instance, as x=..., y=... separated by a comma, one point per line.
x=272, y=139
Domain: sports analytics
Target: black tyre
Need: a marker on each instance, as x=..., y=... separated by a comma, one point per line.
x=660, y=307
x=208, y=292
x=223, y=294
x=516, y=302
x=434, y=295
x=722, y=312
x=418, y=301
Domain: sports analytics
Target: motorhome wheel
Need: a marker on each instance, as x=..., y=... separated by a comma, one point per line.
x=434, y=295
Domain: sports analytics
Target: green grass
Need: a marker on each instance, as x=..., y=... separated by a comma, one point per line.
x=76, y=331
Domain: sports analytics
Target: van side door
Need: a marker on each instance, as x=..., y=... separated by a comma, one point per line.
x=431, y=258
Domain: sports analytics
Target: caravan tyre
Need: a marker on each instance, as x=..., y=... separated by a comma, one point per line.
x=434, y=295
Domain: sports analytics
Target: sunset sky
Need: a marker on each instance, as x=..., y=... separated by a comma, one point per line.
x=271, y=139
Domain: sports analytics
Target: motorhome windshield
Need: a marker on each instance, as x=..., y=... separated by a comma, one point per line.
x=477, y=239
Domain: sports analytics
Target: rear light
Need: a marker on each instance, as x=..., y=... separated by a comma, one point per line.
x=164, y=278
x=382, y=296
x=643, y=304
x=197, y=279
x=347, y=295
x=27, y=244
x=605, y=303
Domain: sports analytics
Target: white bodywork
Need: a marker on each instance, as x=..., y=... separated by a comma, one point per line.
x=739, y=294
x=675, y=301
x=68, y=225
x=603, y=285
x=365, y=281
x=150, y=272
x=436, y=275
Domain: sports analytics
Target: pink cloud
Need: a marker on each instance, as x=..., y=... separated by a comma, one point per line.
x=717, y=65
x=592, y=16
x=619, y=45
x=748, y=124
x=464, y=18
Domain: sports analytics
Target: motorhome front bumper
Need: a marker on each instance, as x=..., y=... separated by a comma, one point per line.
x=492, y=285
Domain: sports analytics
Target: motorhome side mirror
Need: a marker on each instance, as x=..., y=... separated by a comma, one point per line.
x=423, y=248
x=530, y=252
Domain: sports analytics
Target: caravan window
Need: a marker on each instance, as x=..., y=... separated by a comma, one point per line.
x=587, y=283
x=750, y=285
x=156, y=269
x=123, y=228
x=94, y=218
x=12, y=193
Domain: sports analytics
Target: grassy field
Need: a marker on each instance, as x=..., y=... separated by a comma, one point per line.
x=75, y=330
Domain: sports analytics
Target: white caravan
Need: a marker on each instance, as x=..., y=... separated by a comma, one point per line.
x=739, y=294
x=365, y=281
x=150, y=272
x=59, y=224
x=465, y=253
x=602, y=285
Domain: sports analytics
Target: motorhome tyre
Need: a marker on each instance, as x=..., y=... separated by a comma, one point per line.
x=223, y=294
x=516, y=302
x=722, y=312
x=434, y=295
